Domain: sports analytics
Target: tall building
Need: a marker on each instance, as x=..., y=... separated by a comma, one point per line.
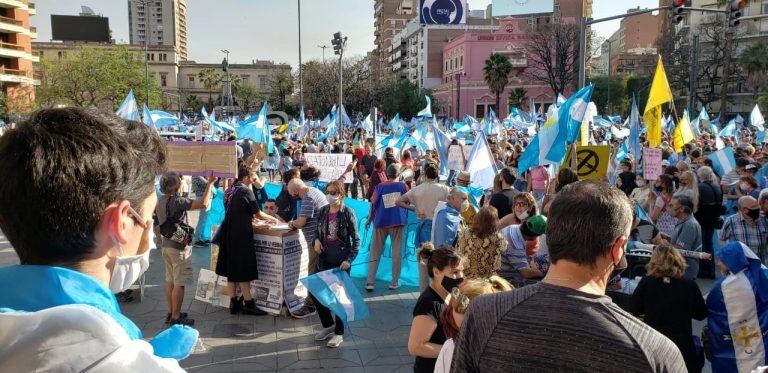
x=632, y=48
x=390, y=17
x=16, y=56
x=160, y=22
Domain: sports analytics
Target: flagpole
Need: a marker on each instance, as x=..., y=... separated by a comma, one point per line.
x=301, y=75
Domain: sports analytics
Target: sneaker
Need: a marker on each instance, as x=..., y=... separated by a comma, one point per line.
x=183, y=321
x=394, y=286
x=335, y=341
x=304, y=312
x=182, y=315
x=325, y=333
x=369, y=287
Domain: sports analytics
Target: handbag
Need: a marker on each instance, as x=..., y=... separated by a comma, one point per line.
x=176, y=231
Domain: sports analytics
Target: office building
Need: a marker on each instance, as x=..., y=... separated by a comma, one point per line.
x=390, y=17
x=16, y=56
x=159, y=22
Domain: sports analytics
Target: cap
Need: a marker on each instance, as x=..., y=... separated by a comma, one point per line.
x=534, y=226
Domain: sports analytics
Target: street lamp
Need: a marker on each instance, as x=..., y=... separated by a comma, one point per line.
x=339, y=43
x=323, y=47
x=301, y=73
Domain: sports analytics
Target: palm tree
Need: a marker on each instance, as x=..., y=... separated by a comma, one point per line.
x=280, y=86
x=497, y=68
x=211, y=80
x=517, y=97
x=192, y=102
x=754, y=62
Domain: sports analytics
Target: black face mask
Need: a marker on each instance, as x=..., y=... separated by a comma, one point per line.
x=753, y=214
x=450, y=283
x=619, y=267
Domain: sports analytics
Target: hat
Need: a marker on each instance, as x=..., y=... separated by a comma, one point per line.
x=534, y=226
x=665, y=163
x=750, y=166
x=463, y=177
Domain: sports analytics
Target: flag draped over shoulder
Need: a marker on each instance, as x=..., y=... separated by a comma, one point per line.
x=738, y=312
x=660, y=94
x=335, y=290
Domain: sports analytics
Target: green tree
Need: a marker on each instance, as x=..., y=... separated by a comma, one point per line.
x=211, y=80
x=609, y=94
x=518, y=97
x=95, y=77
x=247, y=96
x=763, y=102
x=402, y=96
x=280, y=87
x=640, y=87
x=496, y=70
x=191, y=102
x=754, y=62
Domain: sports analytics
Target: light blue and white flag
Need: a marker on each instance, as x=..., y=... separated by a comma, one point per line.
x=641, y=214
x=473, y=123
x=345, y=121
x=462, y=129
x=442, y=142
x=570, y=115
x=368, y=124
x=634, y=131
x=738, y=312
x=622, y=152
x=729, y=129
x=480, y=164
x=146, y=117
x=427, y=111
x=722, y=161
x=335, y=290
x=163, y=119
x=560, y=99
x=756, y=119
x=303, y=126
x=129, y=109
x=394, y=124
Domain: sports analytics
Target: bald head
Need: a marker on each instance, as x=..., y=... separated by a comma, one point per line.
x=296, y=187
x=456, y=198
x=748, y=202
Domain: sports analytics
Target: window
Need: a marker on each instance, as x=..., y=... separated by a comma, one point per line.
x=461, y=61
x=163, y=80
x=531, y=21
x=245, y=78
x=451, y=64
x=191, y=81
x=262, y=82
x=446, y=65
x=765, y=8
x=479, y=111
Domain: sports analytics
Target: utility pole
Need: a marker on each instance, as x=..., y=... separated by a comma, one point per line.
x=339, y=43
x=323, y=47
x=301, y=74
x=694, y=73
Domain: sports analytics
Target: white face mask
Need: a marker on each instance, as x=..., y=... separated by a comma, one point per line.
x=464, y=206
x=332, y=199
x=745, y=186
x=128, y=269
x=522, y=216
x=640, y=183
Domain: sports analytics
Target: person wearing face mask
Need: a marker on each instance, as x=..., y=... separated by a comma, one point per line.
x=687, y=233
x=641, y=193
x=503, y=200
x=524, y=206
x=709, y=215
x=81, y=225
x=659, y=201
x=448, y=222
x=568, y=315
x=446, y=269
x=747, y=227
x=171, y=210
x=336, y=245
x=388, y=221
x=748, y=186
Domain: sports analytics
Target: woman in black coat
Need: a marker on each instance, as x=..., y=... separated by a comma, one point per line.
x=337, y=244
x=237, y=253
x=669, y=302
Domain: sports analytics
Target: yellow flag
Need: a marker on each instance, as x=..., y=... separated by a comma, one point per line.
x=683, y=133
x=584, y=141
x=659, y=95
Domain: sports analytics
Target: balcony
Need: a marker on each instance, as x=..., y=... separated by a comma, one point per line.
x=12, y=4
x=9, y=50
x=32, y=7
x=11, y=25
x=16, y=76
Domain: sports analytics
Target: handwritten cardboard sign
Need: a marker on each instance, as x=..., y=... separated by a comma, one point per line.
x=651, y=163
x=331, y=166
x=198, y=158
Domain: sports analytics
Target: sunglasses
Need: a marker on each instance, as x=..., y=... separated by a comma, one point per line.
x=521, y=204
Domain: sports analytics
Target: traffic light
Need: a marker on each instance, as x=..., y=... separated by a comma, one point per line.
x=735, y=12
x=337, y=43
x=678, y=6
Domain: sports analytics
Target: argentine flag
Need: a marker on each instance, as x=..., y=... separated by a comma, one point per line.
x=163, y=119
x=129, y=109
x=738, y=311
x=756, y=119
x=427, y=111
x=480, y=164
x=335, y=290
x=146, y=117
x=394, y=124
x=723, y=161
x=729, y=129
x=570, y=115
x=634, y=131
x=535, y=154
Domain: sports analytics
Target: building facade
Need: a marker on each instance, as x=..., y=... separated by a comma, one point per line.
x=176, y=78
x=390, y=17
x=159, y=22
x=16, y=55
x=629, y=49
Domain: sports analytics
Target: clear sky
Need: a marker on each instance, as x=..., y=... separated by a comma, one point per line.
x=266, y=29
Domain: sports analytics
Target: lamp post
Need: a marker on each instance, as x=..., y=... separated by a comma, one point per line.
x=301, y=75
x=323, y=47
x=227, y=88
x=339, y=42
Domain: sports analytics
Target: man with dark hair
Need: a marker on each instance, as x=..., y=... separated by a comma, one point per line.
x=566, y=320
x=504, y=200
x=687, y=233
x=76, y=205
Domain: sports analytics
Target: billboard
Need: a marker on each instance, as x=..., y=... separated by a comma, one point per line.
x=80, y=28
x=442, y=12
x=506, y=8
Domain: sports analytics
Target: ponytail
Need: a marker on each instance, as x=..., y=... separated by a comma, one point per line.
x=439, y=258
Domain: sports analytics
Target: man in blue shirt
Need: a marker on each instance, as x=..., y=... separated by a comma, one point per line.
x=448, y=221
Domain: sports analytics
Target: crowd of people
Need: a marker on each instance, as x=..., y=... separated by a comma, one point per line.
x=503, y=272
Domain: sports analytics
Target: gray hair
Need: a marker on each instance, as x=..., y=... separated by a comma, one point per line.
x=685, y=200
x=457, y=192
x=392, y=171
x=170, y=182
x=763, y=196
x=705, y=174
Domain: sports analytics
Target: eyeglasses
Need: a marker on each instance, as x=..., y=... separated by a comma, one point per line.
x=139, y=219
x=521, y=204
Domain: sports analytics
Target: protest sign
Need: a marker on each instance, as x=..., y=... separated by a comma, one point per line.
x=456, y=158
x=282, y=258
x=331, y=166
x=209, y=288
x=591, y=161
x=203, y=158
x=651, y=163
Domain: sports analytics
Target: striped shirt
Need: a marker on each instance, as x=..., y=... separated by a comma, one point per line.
x=754, y=235
x=311, y=204
x=546, y=328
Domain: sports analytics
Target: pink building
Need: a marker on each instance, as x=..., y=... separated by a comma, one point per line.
x=463, y=82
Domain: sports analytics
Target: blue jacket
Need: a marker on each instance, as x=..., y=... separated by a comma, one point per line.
x=446, y=226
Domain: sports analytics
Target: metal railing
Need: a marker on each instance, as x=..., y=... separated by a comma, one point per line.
x=11, y=21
